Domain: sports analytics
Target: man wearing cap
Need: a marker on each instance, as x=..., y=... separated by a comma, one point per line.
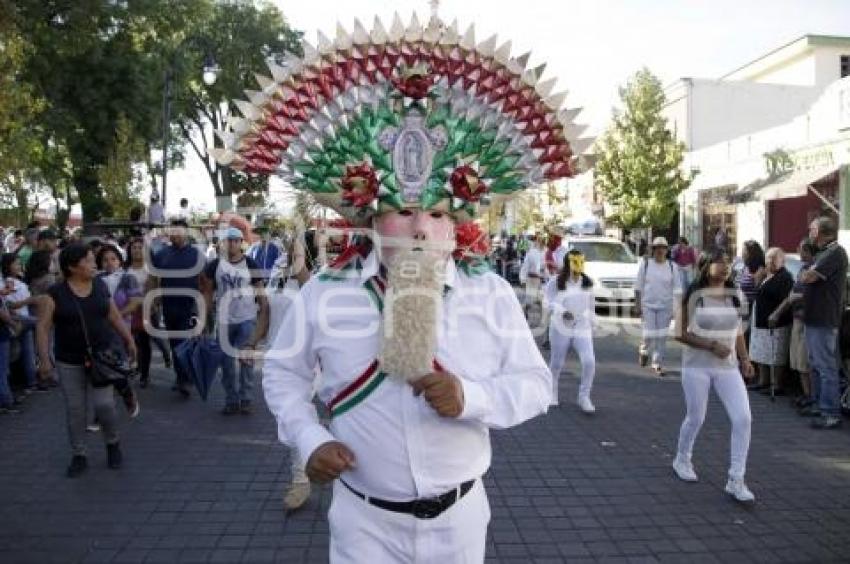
x=232, y=284
x=656, y=293
x=264, y=253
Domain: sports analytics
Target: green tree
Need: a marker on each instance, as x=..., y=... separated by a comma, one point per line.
x=120, y=177
x=21, y=151
x=639, y=166
x=93, y=62
x=241, y=36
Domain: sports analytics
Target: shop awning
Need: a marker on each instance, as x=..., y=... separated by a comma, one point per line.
x=791, y=185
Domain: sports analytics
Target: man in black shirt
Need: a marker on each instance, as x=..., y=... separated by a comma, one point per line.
x=824, y=297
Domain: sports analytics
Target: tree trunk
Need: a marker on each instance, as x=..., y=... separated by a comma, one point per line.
x=87, y=185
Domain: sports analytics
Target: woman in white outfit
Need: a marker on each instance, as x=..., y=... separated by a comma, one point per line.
x=570, y=300
x=715, y=354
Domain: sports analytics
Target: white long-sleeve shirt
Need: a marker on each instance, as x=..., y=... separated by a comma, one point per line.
x=573, y=299
x=658, y=283
x=404, y=449
x=534, y=263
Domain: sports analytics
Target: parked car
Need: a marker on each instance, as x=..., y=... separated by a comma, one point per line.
x=613, y=269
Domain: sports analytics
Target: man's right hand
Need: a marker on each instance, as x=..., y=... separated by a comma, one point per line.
x=329, y=461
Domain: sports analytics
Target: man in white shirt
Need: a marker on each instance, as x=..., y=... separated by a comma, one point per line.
x=241, y=323
x=422, y=349
x=657, y=291
x=533, y=273
x=405, y=444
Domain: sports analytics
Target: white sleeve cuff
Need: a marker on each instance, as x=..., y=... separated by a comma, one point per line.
x=476, y=402
x=312, y=438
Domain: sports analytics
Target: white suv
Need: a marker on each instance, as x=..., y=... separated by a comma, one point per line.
x=613, y=269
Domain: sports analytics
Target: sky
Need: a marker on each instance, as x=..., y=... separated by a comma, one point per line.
x=591, y=46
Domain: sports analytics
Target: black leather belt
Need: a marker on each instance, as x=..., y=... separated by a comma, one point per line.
x=423, y=508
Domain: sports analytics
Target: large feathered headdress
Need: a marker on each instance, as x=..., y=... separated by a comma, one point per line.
x=404, y=117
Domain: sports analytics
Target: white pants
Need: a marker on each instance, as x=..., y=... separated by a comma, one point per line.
x=364, y=533
x=582, y=341
x=656, y=329
x=727, y=382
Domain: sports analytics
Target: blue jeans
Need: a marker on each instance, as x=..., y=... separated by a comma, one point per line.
x=178, y=321
x=27, y=341
x=6, y=397
x=823, y=363
x=237, y=334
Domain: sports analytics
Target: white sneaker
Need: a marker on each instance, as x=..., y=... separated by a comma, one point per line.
x=739, y=490
x=684, y=469
x=586, y=405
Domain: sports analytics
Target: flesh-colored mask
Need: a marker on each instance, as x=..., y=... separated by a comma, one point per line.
x=576, y=264
x=401, y=231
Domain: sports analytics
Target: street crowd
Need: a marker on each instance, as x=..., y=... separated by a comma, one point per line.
x=66, y=300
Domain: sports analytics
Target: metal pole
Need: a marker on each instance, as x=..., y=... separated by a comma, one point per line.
x=166, y=130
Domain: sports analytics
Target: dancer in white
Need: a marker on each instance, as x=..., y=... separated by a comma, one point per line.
x=570, y=300
x=422, y=349
x=709, y=325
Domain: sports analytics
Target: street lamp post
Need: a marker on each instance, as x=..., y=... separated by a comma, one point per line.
x=209, y=75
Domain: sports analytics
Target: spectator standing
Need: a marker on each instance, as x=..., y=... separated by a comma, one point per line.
x=48, y=241
x=240, y=325
x=533, y=273
x=156, y=214
x=8, y=325
x=721, y=239
x=824, y=297
x=798, y=353
x=749, y=277
x=18, y=301
x=771, y=331
x=179, y=265
x=82, y=313
x=264, y=253
x=656, y=290
x=685, y=257
x=26, y=249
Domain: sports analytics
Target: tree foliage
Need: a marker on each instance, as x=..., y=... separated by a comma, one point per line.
x=240, y=36
x=639, y=166
x=121, y=177
x=97, y=66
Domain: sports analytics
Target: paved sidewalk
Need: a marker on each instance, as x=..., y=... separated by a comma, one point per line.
x=200, y=487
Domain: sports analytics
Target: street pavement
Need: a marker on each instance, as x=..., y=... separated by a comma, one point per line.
x=200, y=487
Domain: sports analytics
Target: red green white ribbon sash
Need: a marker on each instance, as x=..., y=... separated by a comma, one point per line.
x=358, y=390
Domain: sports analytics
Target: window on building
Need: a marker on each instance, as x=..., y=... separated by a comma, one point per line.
x=845, y=65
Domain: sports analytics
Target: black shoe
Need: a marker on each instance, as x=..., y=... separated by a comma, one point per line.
x=826, y=422
x=230, y=409
x=643, y=359
x=41, y=387
x=802, y=402
x=810, y=411
x=246, y=408
x=114, y=458
x=9, y=410
x=79, y=464
x=757, y=387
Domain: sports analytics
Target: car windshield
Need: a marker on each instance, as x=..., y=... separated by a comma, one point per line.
x=599, y=251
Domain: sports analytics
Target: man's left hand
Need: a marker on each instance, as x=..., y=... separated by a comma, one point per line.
x=442, y=391
x=809, y=277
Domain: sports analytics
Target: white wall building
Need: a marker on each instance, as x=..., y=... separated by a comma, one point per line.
x=791, y=104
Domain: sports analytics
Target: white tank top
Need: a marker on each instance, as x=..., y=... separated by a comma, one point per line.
x=717, y=319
